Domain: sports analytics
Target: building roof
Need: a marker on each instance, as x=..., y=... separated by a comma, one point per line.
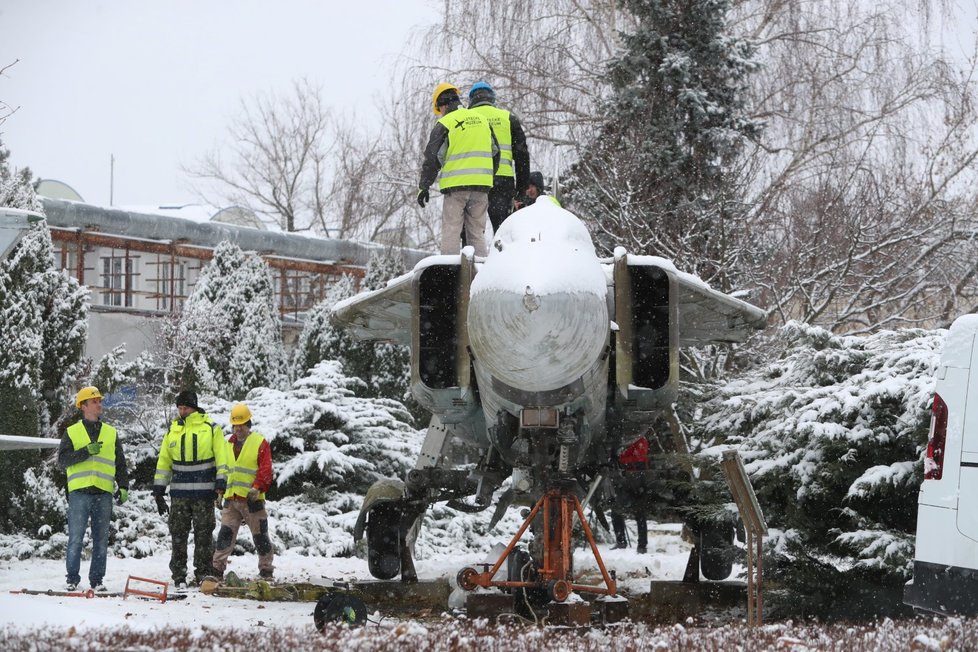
x=165, y=228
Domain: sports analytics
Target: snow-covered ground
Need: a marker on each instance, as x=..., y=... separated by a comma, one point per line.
x=203, y=622
x=666, y=559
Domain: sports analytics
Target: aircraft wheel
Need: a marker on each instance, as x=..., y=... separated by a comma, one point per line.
x=383, y=541
x=559, y=590
x=466, y=578
x=339, y=608
x=716, y=561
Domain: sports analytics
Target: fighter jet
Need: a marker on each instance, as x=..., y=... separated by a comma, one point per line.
x=539, y=357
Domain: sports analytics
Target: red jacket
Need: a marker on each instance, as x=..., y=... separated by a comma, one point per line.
x=263, y=477
x=636, y=456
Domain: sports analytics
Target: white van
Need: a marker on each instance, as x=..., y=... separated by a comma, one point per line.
x=945, y=573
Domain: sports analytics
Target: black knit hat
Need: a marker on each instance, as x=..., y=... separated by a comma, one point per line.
x=536, y=179
x=188, y=398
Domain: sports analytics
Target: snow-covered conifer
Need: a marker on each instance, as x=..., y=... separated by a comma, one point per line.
x=384, y=368
x=832, y=432
x=320, y=338
x=43, y=328
x=656, y=175
x=228, y=338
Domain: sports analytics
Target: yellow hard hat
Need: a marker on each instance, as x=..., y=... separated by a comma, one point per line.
x=240, y=414
x=86, y=393
x=439, y=89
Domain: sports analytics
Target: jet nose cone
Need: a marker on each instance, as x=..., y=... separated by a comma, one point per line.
x=538, y=318
x=537, y=343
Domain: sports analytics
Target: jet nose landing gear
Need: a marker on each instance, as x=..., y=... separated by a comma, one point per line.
x=551, y=576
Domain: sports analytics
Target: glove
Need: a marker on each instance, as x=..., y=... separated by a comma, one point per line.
x=219, y=499
x=161, y=506
x=123, y=496
x=253, y=494
x=94, y=448
x=423, y=197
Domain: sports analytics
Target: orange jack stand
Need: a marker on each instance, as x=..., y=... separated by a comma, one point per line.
x=156, y=595
x=555, y=576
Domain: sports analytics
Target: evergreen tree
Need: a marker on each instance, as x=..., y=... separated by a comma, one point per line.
x=325, y=436
x=43, y=328
x=228, y=338
x=384, y=368
x=657, y=177
x=320, y=339
x=832, y=432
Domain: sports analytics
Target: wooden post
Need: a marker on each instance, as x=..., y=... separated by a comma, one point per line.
x=756, y=528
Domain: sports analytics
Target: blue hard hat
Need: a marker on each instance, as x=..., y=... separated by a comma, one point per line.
x=479, y=86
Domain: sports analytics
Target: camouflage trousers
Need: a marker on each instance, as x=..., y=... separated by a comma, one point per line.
x=234, y=513
x=188, y=514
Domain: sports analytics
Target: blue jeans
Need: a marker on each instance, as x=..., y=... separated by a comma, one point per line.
x=81, y=508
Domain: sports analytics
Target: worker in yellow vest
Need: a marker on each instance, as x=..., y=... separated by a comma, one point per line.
x=463, y=154
x=513, y=173
x=249, y=461
x=91, y=454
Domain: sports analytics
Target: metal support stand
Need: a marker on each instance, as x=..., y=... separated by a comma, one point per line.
x=559, y=507
x=753, y=518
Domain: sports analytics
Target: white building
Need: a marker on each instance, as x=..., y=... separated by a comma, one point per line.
x=140, y=266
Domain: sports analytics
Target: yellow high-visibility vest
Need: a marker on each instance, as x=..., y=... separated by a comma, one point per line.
x=243, y=468
x=499, y=121
x=99, y=470
x=191, y=457
x=468, y=157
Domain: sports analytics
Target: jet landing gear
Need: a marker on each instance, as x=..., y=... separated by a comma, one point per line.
x=554, y=579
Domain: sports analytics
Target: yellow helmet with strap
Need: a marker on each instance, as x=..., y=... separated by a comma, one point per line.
x=439, y=89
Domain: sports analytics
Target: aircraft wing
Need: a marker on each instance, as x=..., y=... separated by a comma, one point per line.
x=704, y=315
x=14, y=442
x=380, y=315
x=707, y=316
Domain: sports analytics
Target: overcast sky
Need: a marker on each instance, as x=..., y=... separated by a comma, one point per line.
x=155, y=83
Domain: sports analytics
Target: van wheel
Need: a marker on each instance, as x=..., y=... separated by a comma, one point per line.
x=716, y=551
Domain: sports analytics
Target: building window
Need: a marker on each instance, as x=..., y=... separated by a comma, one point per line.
x=117, y=281
x=171, y=285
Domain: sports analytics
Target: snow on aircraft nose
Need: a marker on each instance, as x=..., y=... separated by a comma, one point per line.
x=538, y=317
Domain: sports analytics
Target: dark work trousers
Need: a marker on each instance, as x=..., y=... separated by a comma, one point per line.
x=618, y=524
x=188, y=514
x=501, y=200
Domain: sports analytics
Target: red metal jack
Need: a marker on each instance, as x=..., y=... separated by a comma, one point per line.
x=556, y=574
x=133, y=582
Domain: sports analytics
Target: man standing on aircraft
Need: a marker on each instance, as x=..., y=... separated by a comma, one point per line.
x=465, y=151
x=91, y=454
x=514, y=157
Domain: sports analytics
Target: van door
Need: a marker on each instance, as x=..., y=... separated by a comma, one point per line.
x=968, y=471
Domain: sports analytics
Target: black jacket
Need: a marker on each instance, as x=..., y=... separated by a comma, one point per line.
x=521, y=152
x=67, y=455
x=434, y=152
